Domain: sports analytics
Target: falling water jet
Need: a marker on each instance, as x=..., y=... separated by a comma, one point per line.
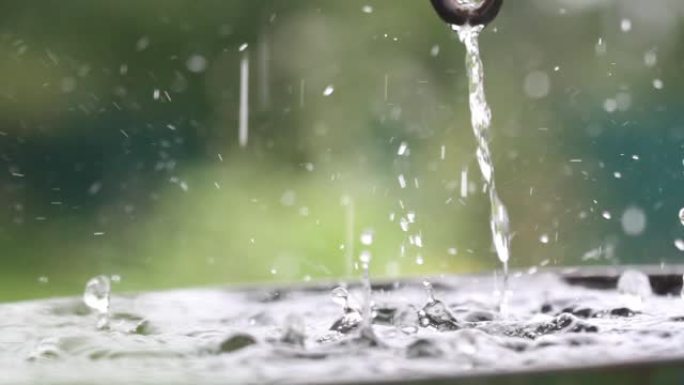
x=349, y=210
x=468, y=18
x=243, y=129
x=365, y=259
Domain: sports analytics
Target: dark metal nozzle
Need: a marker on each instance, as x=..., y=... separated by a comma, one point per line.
x=453, y=12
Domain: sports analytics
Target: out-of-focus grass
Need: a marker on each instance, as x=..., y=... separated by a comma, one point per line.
x=241, y=220
x=97, y=167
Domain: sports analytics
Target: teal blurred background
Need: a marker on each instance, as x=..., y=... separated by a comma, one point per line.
x=119, y=146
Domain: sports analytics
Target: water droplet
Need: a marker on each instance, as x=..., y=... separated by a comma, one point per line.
x=681, y=216
x=367, y=237
x=196, y=64
x=634, y=221
x=68, y=84
x=402, y=149
x=367, y=9
x=537, y=84
x=607, y=215
x=402, y=181
x=430, y=291
x=438, y=315
x=365, y=258
x=635, y=283
x=352, y=317
x=329, y=90
x=464, y=183
x=340, y=296
x=289, y=198
x=404, y=224
x=626, y=25
x=142, y=43
x=650, y=58
x=97, y=292
x=610, y=105
x=679, y=244
x=544, y=239
x=418, y=240
x=601, y=48
x=658, y=84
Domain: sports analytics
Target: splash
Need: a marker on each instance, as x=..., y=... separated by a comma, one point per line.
x=481, y=117
x=97, y=297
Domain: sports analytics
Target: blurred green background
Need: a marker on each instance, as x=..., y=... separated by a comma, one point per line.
x=119, y=143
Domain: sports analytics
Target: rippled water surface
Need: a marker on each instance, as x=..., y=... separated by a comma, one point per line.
x=284, y=336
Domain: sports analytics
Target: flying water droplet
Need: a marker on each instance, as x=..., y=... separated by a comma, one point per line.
x=367, y=237
x=679, y=244
x=681, y=216
x=650, y=58
x=626, y=25
x=635, y=287
x=340, y=296
x=437, y=314
x=634, y=221
x=658, y=84
x=430, y=291
x=352, y=318
x=196, y=63
x=96, y=297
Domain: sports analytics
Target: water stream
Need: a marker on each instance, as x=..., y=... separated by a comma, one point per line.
x=481, y=118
